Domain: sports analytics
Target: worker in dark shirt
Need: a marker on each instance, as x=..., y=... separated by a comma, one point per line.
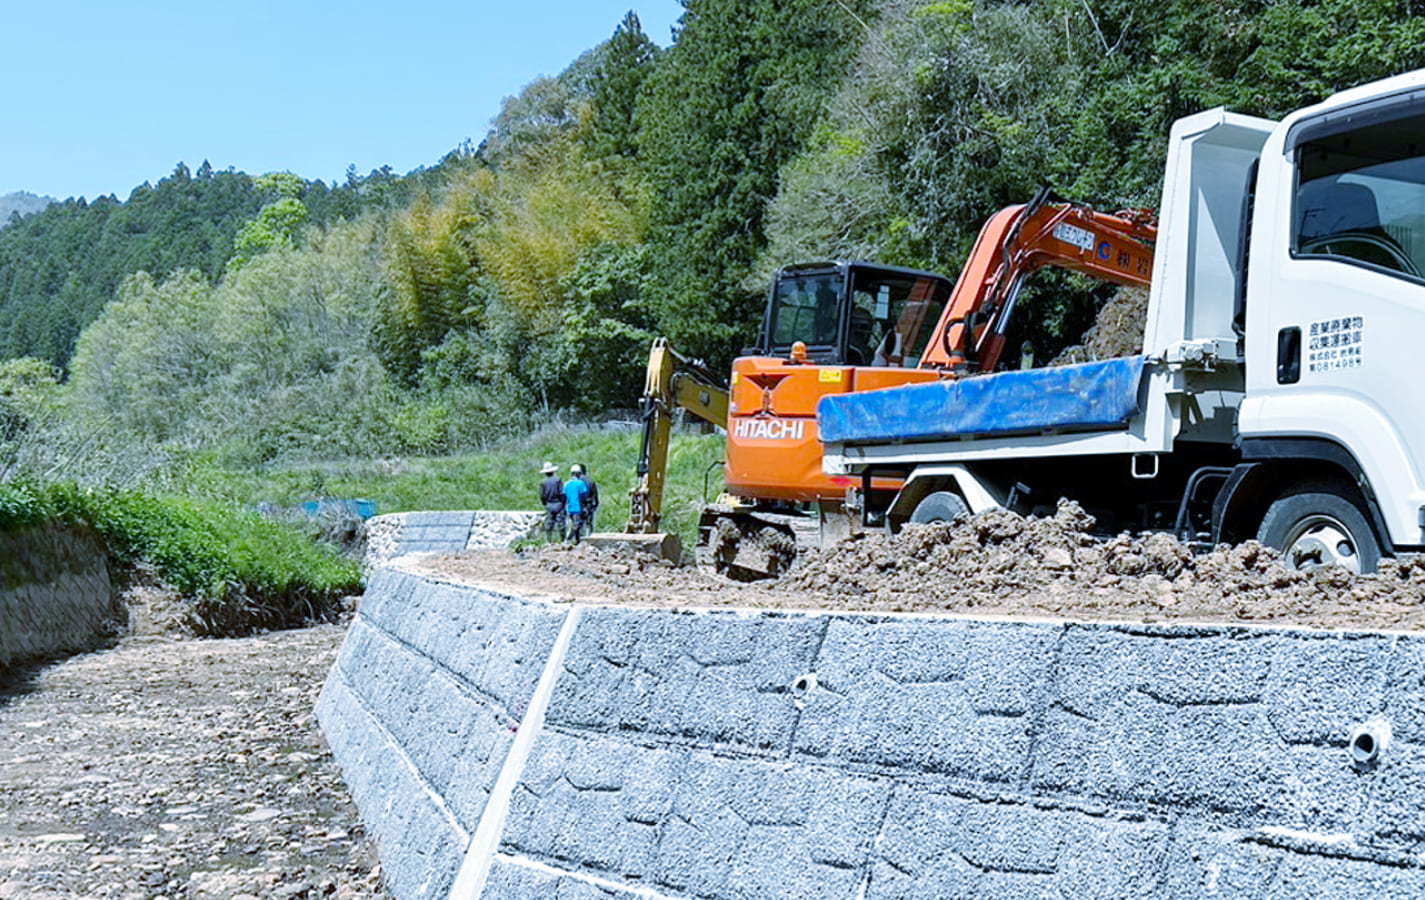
x=551, y=494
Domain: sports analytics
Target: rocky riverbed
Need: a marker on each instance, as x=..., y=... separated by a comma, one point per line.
x=178, y=769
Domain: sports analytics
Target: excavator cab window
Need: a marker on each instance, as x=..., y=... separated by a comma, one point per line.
x=893, y=315
x=806, y=308
x=856, y=314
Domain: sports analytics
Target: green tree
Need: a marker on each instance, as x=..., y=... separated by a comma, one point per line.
x=627, y=59
x=722, y=112
x=145, y=362
x=429, y=271
x=29, y=396
x=545, y=109
x=275, y=225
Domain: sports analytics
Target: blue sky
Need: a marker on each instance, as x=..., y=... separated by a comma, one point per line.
x=101, y=96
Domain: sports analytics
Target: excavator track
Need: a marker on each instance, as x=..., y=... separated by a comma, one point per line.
x=749, y=544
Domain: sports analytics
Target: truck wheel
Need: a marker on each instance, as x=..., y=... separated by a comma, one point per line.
x=1321, y=525
x=941, y=506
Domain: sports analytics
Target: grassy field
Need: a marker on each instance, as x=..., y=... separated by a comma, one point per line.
x=200, y=529
x=504, y=478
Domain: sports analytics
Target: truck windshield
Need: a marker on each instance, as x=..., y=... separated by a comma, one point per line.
x=1361, y=197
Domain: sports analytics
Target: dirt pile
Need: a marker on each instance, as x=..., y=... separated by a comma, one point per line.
x=1000, y=561
x=1118, y=331
x=993, y=564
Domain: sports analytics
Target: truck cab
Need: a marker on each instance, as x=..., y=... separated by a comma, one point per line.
x=1335, y=310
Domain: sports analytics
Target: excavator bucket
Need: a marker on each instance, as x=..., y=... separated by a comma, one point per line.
x=660, y=544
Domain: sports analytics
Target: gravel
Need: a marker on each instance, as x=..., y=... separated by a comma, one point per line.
x=179, y=769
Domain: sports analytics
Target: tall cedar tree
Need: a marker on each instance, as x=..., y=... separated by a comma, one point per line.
x=726, y=107
x=628, y=58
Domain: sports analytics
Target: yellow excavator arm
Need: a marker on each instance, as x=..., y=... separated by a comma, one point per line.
x=673, y=382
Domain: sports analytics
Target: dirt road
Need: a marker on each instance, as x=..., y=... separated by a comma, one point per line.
x=178, y=769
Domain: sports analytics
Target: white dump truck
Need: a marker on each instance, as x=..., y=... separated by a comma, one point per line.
x=1274, y=397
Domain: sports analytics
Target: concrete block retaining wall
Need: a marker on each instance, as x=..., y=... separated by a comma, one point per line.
x=400, y=534
x=502, y=748
x=55, y=596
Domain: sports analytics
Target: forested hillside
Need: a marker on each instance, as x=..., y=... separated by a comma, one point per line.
x=643, y=191
x=59, y=267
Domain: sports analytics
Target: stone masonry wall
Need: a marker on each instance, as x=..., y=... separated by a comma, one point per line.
x=55, y=596
x=718, y=754
x=421, y=709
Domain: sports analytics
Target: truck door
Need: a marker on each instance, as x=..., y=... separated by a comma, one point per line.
x=1336, y=353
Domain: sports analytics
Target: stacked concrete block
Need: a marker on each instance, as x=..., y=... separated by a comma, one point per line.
x=420, y=710
x=739, y=755
x=55, y=595
x=402, y=534
x=716, y=680
x=435, y=532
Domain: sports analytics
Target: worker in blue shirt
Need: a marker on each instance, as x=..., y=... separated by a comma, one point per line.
x=591, y=501
x=575, y=494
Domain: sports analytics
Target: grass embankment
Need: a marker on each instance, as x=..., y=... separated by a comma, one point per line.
x=239, y=571
x=199, y=530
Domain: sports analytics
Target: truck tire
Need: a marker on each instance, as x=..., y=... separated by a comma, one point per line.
x=1320, y=524
x=941, y=506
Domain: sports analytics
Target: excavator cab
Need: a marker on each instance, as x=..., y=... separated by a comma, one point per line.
x=830, y=328
x=853, y=313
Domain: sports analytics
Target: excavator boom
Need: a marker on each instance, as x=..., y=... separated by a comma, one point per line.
x=673, y=381
x=1020, y=240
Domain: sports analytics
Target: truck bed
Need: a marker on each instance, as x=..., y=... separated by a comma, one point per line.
x=1104, y=395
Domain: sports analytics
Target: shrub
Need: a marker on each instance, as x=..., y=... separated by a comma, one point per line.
x=20, y=505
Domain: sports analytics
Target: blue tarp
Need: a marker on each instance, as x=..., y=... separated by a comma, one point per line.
x=1091, y=395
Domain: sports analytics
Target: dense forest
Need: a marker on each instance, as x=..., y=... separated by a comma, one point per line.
x=643, y=191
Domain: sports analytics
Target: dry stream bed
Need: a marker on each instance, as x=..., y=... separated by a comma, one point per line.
x=178, y=768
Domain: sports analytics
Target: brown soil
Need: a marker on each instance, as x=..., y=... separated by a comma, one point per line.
x=1118, y=331
x=994, y=564
x=167, y=768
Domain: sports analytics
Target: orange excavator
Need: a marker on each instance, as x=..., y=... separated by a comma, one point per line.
x=850, y=326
